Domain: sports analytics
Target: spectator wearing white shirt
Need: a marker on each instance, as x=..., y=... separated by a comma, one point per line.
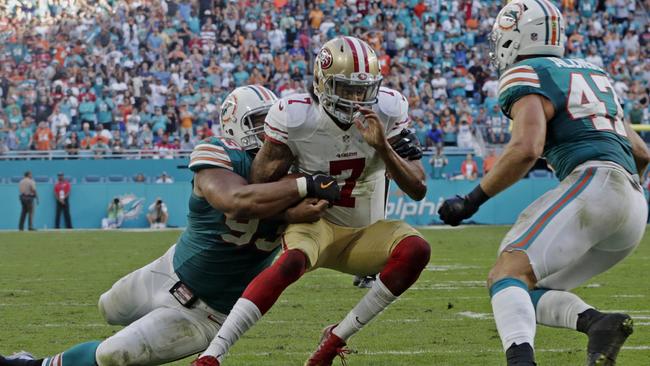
x=164, y=179
x=157, y=214
x=59, y=121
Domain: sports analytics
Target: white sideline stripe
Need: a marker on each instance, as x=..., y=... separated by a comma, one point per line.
x=49, y=304
x=420, y=352
x=68, y=325
x=626, y=296
x=449, y=267
x=473, y=315
x=11, y=291
x=320, y=322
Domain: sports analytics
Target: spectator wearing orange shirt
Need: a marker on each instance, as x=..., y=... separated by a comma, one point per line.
x=315, y=16
x=44, y=137
x=489, y=161
x=187, y=119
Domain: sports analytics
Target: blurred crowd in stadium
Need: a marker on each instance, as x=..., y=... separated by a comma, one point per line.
x=110, y=75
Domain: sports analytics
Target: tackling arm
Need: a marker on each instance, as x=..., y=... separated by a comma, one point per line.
x=530, y=115
x=271, y=163
x=230, y=193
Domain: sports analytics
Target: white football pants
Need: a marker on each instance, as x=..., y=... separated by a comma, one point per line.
x=583, y=227
x=158, y=328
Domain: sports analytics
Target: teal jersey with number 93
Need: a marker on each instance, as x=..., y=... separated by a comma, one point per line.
x=215, y=256
x=588, y=122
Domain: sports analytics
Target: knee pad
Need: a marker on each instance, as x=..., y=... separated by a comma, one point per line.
x=118, y=351
x=413, y=250
x=292, y=264
x=109, y=311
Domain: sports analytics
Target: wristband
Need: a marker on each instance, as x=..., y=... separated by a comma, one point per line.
x=478, y=196
x=302, y=186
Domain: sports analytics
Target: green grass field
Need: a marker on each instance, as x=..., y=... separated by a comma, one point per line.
x=50, y=283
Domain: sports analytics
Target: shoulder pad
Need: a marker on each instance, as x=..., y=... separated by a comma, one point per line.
x=391, y=103
x=214, y=152
x=286, y=114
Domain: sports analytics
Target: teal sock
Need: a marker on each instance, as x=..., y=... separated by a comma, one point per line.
x=80, y=355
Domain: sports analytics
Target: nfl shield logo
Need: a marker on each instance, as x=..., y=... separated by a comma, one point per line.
x=346, y=139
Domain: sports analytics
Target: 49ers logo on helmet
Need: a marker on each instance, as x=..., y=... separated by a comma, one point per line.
x=325, y=58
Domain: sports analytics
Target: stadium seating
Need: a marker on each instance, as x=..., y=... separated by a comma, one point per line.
x=540, y=173
x=93, y=179
x=114, y=178
x=42, y=179
x=433, y=52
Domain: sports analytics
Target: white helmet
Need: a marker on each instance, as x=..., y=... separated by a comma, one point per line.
x=526, y=27
x=237, y=111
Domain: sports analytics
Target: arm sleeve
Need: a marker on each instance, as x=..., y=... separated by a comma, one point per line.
x=275, y=124
x=515, y=84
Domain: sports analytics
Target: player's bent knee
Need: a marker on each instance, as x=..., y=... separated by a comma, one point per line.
x=512, y=264
x=414, y=250
x=108, y=311
x=117, y=352
x=498, y=274
x=292, y=264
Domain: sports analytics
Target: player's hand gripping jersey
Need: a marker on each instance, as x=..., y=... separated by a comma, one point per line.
x=215, y=256
x=588, y=121
x=319, y=145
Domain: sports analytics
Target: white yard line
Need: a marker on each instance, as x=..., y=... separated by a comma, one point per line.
x=62, y=304
x=429, y=351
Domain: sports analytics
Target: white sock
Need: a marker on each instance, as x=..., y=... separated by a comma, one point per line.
x=374, y=302
x=241, y=318
x=514, y=315
x=560, y=309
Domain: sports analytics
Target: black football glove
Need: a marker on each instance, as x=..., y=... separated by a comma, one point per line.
x=456, y=209
x=407, y=145
x=324, y=187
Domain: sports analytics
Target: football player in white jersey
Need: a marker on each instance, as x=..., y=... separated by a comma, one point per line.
x=173, y=307
x=351, y=128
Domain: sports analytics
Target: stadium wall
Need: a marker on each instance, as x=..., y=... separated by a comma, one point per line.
x=177, y=168
x=88, y=202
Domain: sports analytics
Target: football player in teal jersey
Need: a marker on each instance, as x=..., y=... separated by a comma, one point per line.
x=566, y=111
x=175, y=305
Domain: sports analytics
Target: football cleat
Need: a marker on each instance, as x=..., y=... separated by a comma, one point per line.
x=606, y=337
x=330, y=346
x=364, y=281
x=205, y=361
x=367, y=282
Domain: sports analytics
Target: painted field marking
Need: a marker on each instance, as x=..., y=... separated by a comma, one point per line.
x=420, y=352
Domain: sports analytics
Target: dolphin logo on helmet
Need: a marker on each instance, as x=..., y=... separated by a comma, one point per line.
x=238, y=111
x=526, y=28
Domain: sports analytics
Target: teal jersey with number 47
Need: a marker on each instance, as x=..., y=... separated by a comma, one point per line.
x=216, y=257
x=588, y=122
